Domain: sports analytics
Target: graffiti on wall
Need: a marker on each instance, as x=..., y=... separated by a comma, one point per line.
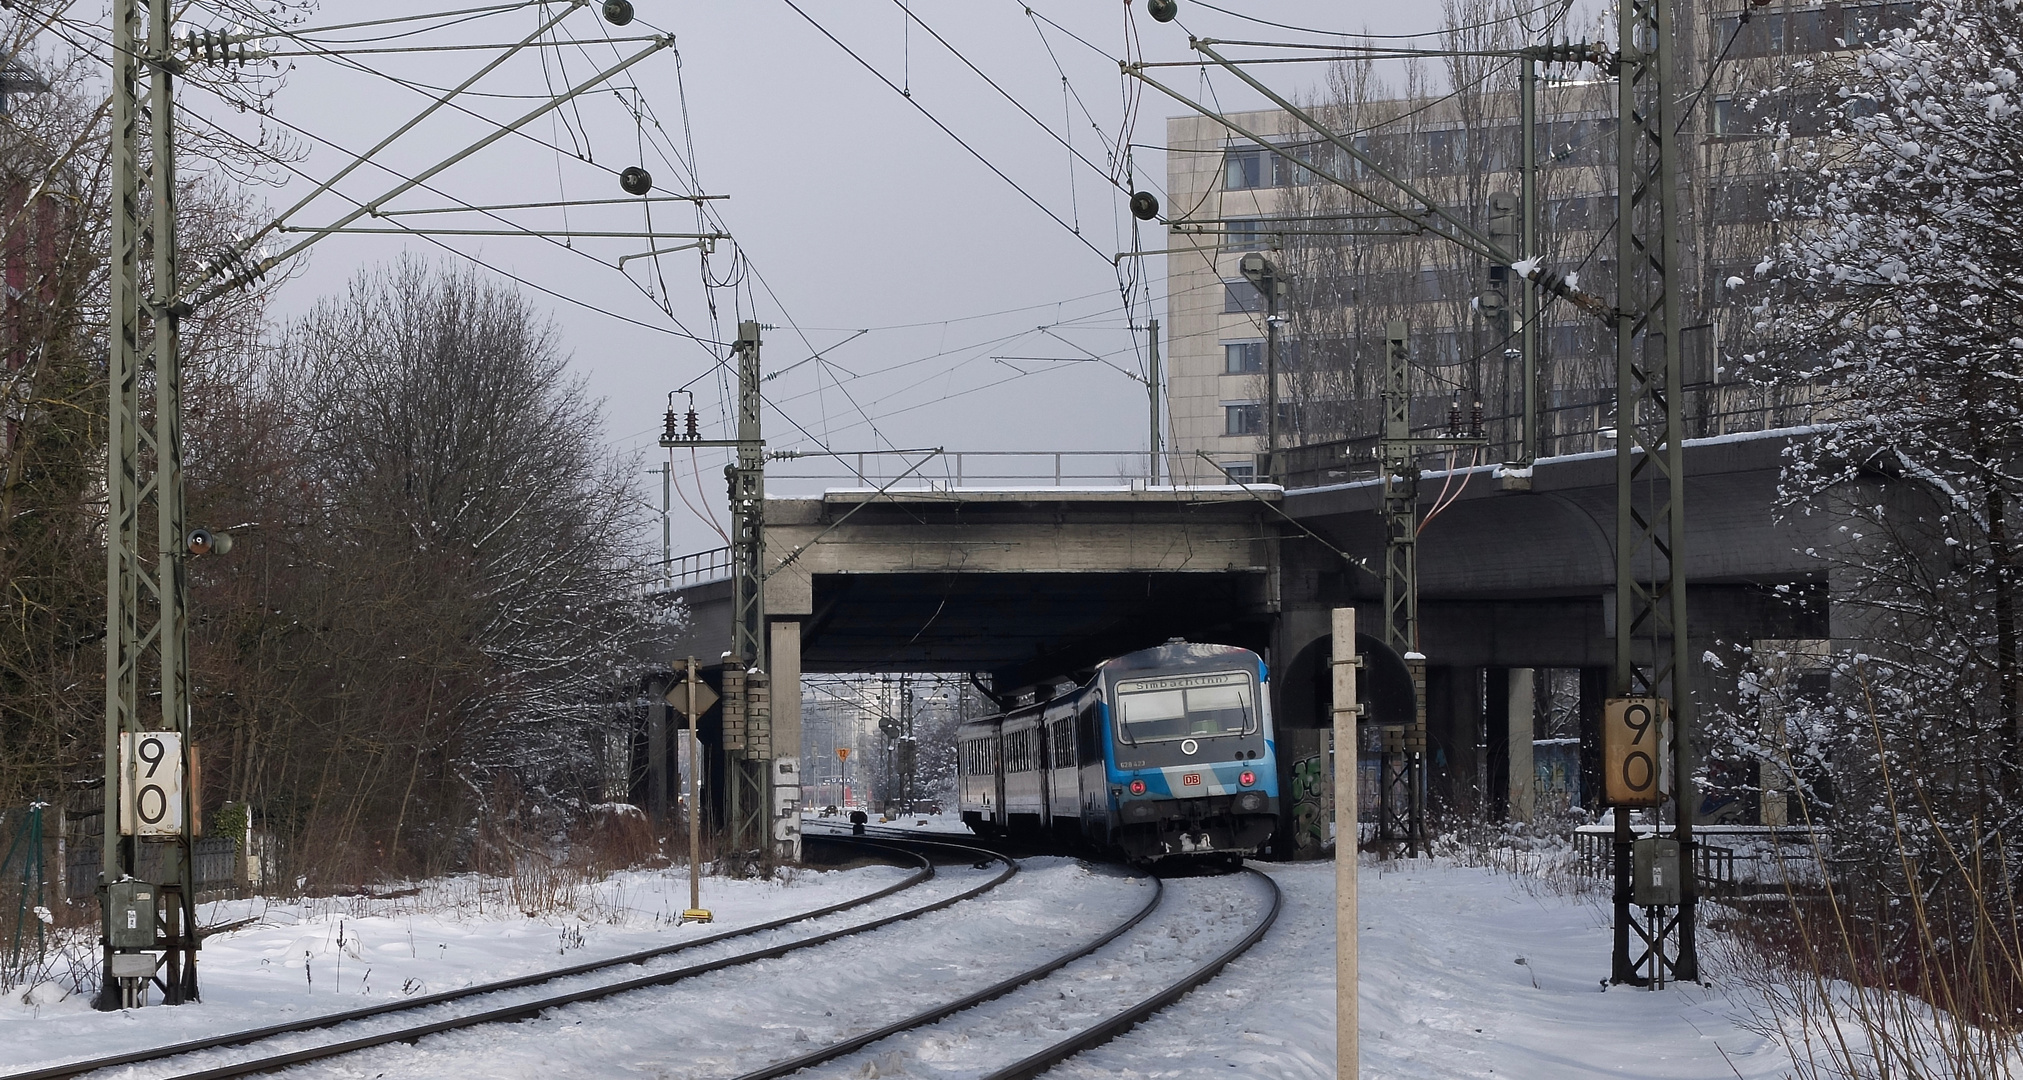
x=1312, y=803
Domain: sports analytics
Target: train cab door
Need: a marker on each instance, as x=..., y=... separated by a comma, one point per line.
x=1093, y=775
x=1063, y=787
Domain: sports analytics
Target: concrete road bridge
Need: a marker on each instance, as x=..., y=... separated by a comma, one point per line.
x=1029, y=584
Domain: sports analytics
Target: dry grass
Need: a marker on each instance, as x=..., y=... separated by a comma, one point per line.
x=1910, y=968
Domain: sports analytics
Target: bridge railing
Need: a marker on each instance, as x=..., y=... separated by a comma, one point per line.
x=1003, y=468
x=1585, y=424
x=699, y=567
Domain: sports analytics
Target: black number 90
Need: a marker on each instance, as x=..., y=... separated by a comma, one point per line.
x=151, y=802
x=1640, y=769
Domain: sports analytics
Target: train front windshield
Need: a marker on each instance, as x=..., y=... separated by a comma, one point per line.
x=1183, y=707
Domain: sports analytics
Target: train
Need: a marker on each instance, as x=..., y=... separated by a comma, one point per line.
x=1166, y=753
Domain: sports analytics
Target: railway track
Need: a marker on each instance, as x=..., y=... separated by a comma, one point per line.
x=1115, y=1023
x=1085, y=972
x=521, y=1010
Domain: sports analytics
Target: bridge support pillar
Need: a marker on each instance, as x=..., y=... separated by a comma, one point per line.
x=1454, y=738
x=1508, y=701
x=1522, y=803
x=786, y=764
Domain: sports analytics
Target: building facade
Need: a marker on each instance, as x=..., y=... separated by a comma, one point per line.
x=1350, y=270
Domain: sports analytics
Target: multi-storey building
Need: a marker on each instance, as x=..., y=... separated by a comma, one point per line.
x=1352, y=270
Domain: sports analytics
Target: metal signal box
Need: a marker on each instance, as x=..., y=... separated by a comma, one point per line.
x=1655, y=872
x=133, y=905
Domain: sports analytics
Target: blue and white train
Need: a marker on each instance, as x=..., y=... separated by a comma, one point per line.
x=1165, y=753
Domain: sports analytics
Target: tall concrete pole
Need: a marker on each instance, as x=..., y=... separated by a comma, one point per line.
x=1270, y=470
x=1152, y=393
x=1347, y=979
x=695, y=909
x=1528, y=249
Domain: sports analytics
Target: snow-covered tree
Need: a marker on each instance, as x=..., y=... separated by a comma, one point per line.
x=1900, y=300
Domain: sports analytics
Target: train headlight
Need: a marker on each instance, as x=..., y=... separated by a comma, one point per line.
x=1246, y=778
x=1137, y=787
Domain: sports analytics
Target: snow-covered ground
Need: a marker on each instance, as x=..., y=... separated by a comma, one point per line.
x=1443, y=993
x=328, y=955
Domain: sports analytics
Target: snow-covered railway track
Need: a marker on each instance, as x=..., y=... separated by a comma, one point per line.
x=523, y=1009
x=973, y=1041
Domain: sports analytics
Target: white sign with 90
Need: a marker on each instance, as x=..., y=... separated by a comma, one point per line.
x=151, y=783
x=1636, y=762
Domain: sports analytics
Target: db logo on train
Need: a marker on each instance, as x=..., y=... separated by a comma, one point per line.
x=1635, y=734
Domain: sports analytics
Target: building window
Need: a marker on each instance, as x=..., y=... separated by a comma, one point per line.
x=1242, y=357
x=1240, y=472
x=1239, y=297
x=1862, y=25
x=1723, y=107
x=1243, y=170
x=1244, y=419
x=1243, y=234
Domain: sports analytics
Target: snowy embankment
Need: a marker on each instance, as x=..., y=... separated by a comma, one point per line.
x=325, y=955
x=1443, y=994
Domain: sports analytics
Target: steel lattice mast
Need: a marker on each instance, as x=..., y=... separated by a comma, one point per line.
x=147, y=629
x=1650, y=597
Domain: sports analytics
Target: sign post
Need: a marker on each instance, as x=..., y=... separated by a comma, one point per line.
x=693, y=697
x=1346, y=710
x=1635, y=733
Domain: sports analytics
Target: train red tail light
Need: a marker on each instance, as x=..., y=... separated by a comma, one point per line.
x=1137, y=787
x=1246, y=778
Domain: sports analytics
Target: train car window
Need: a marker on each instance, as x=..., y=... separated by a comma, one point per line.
x=1087, y=732
x=1179, y=707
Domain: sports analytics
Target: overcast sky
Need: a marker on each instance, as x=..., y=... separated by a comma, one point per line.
x=852, y=210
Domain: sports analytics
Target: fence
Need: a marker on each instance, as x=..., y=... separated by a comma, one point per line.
x=698, y=567
x=941, y=469
x=1572, y=427
x=224, y=866
x=1732, y=859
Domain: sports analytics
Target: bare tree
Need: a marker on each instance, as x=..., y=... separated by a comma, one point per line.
x=445, y=586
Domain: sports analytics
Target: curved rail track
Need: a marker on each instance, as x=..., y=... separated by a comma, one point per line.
x=1088, y=1038
x=1032, y=1065
x=522, y=1010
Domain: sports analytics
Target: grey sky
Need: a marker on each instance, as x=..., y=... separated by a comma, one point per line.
x=854, y=209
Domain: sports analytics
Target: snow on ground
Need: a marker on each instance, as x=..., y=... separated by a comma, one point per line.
x=290, y=964
x=729, y=1021
x=1442, y=994
x=1197, y=917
